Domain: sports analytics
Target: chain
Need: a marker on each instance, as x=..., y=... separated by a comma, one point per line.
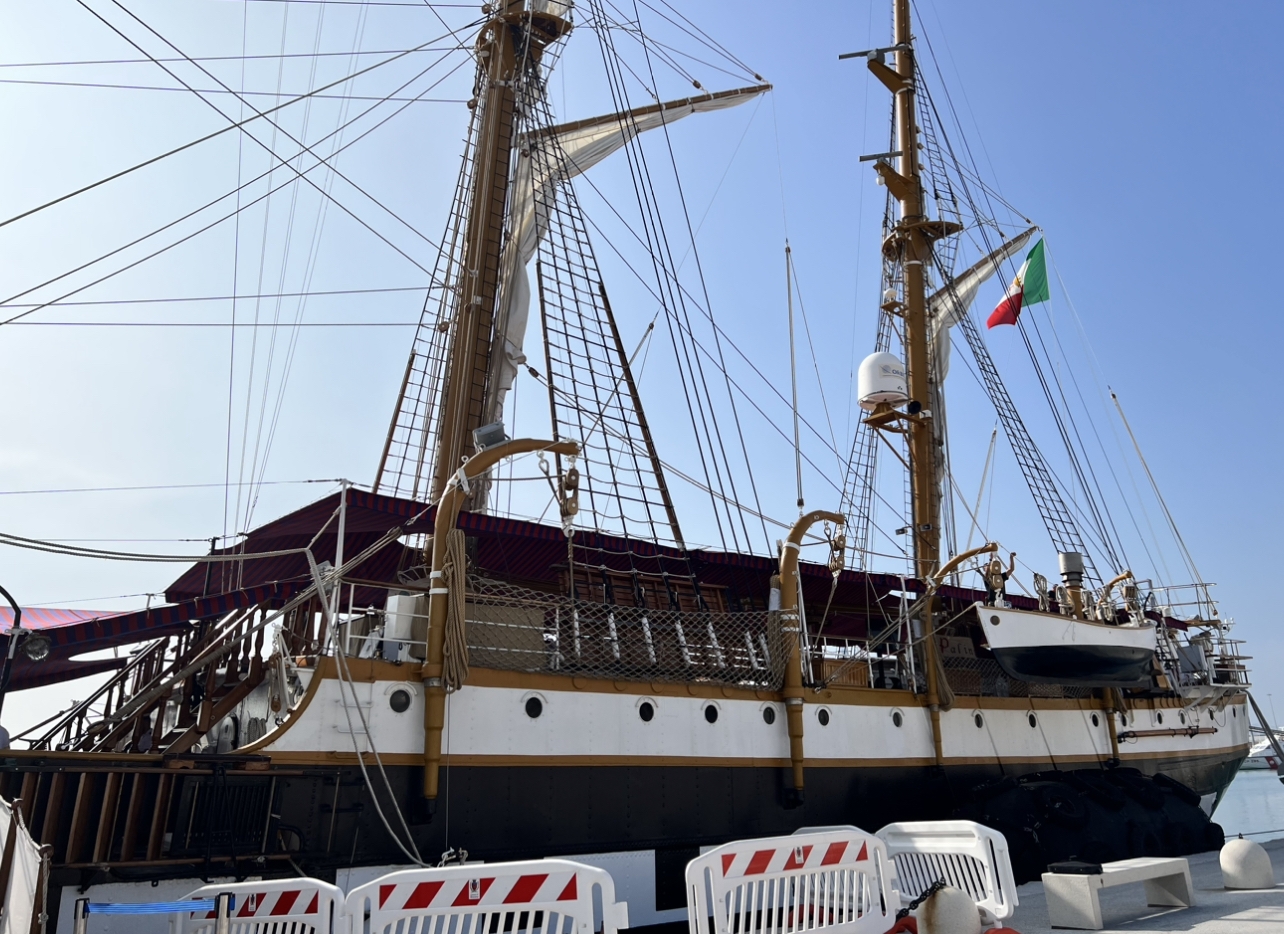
x=931, y=890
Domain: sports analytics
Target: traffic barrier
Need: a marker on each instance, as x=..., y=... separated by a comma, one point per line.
x=552, y=896
x=838, y=880
x=278, y=906
x=967, y=855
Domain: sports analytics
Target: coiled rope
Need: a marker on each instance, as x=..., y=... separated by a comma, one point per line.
x=455, y=651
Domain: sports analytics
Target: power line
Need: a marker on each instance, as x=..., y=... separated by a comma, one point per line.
x=162, y=486
x=216, y=324
x=153, y=87
x=227, y=129
x=226, y=58
x=220, y=298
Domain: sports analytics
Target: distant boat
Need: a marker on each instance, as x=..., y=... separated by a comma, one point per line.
x=1261, y=756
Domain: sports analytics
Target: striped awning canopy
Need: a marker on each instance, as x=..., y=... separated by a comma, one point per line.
x=513, y=548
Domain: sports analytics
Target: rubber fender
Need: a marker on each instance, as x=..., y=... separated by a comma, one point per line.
x=987, y=790
x=1062, y=805
x=1182, y=792
x=1099, y=788
x=1136, y=786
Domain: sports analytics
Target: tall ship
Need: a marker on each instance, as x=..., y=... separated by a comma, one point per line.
x=413, y=671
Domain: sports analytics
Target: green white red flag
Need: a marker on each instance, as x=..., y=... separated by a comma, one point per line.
x=1028, y=288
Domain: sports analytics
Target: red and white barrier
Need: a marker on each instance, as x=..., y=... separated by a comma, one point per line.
x=838, y=881
x=554, y=896
x=282, y=906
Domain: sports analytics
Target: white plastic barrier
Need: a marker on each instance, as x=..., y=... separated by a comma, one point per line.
x=553, y=896
x=281, y=906
x=837, y=880
x=968, y=856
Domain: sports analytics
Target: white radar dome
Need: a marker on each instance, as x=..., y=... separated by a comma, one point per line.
x=881, y=378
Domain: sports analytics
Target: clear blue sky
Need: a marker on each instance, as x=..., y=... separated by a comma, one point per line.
x=1141, y=137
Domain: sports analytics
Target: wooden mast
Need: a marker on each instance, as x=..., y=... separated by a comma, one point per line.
x=514, y=35
x=910, y=243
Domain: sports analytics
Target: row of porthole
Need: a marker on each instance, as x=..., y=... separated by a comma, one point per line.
x=399, y=701
x=646, y=712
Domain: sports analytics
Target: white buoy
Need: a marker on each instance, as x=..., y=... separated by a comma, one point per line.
x=949, y=911
x=1246, y=865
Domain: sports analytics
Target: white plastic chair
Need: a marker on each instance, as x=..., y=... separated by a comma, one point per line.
x=967, y=855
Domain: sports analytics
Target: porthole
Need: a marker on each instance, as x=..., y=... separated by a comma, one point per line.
x=1095, y=720
x=897, y=718
x=399, y=700
x=711, y=713
x=1182, y=716
x=976, y=718
x=1232, y=711
x=1123, y=719
x=769, y=715
x=646, y=710
x=1159, y=717
x=994, y=621
x=534, y=707
x=823, y=716
x=1033, y=720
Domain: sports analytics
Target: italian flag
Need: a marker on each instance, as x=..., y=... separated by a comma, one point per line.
x=1028, y=288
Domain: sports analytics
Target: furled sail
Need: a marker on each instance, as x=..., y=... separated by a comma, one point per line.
x=567, y=151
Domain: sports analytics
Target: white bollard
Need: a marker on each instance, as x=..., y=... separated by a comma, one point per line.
x=949, y=911
x=1246, y=865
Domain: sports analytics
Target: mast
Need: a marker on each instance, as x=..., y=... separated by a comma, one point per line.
x=510, y=42
x=916, y=250
x=910, y=246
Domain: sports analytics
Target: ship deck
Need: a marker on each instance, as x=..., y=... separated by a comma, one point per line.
x=1217, y=910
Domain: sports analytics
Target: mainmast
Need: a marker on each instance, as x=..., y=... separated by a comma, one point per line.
x=511, y=41
x=911, y=240
x=909, y=246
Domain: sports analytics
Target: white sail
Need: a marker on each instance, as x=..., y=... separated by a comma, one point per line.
x=570, y=150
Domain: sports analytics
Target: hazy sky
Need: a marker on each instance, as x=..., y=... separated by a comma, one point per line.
x=1142, y=138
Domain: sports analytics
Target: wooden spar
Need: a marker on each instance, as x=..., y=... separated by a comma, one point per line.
x=512, y=36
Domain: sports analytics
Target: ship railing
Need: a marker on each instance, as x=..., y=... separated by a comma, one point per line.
x=169, y=695
x=516, y=628
x=847, y=662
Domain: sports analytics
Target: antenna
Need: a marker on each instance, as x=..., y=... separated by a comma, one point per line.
x=793, y=371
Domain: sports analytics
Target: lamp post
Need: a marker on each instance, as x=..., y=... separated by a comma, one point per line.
x=16, y=633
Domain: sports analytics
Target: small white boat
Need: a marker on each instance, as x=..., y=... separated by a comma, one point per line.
x=1055, y=649
x=1261, y=756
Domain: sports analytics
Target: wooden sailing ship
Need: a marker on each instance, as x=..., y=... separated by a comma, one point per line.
x=385, y=676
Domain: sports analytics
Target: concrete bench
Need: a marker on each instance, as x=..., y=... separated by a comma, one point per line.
x=1074, y=900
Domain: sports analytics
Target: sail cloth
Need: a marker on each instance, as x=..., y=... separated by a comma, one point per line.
x=564, y=152
x=947, y=307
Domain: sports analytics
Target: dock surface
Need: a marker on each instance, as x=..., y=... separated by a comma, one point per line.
x=1217, y=910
